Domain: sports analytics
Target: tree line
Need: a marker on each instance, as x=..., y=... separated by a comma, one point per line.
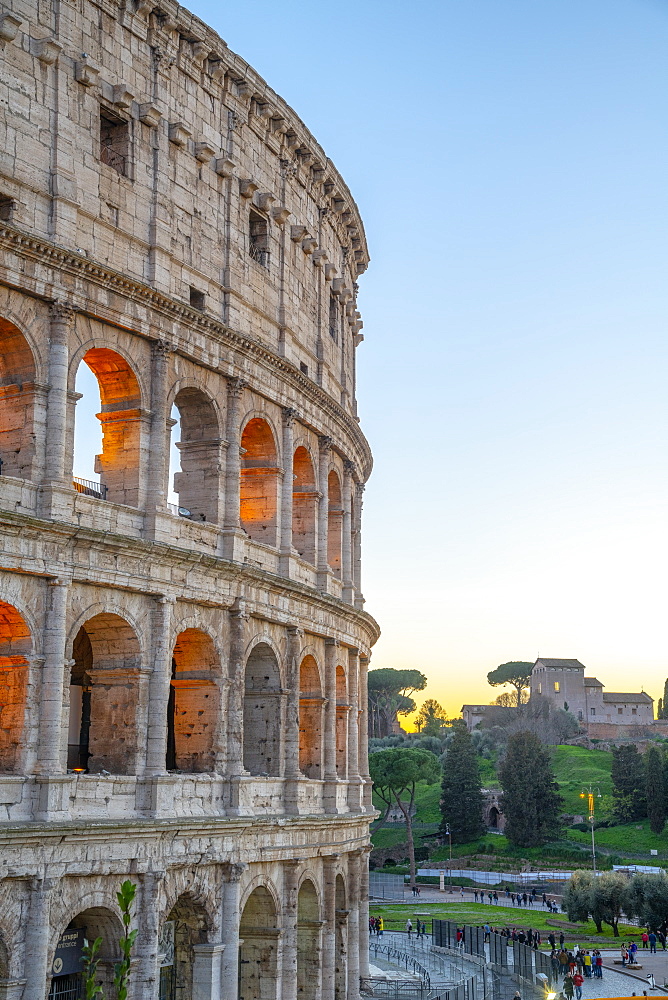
x=640, y=785
x=610, y=896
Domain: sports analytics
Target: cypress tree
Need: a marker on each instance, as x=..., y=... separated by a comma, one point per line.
x=628, y=784
x=655, y=790
x=659, y=709
x=461, y=795
x=531, y=802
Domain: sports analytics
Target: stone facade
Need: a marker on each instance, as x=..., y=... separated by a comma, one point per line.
x=182, y=698
x=564, y=684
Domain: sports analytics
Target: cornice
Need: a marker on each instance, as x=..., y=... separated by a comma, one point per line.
x=45, y=252
x=175, y=556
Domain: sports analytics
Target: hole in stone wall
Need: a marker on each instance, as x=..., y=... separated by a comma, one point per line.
x=114, y=141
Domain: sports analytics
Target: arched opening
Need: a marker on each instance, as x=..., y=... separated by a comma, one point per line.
x=258, y=934
x=104, y=695
x=310, y=719
x=341, y=723
x=259, y=481
x=18, y=432
x=179, y=951
x=196, y=479
x=341, y=942
x=262, y=712
x=334, y=523
x=15, y=647
x=193, y=703
x=66, y=966
x=304, y=505
x=493, y=818
x=308, y=942
x=120, y=415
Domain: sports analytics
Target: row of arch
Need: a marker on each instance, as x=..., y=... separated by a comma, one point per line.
x=185, y=932
x=104, y=699
x=120, y=464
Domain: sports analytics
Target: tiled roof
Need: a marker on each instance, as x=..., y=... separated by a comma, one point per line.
x=565, y=664
x=591, y=682
x=634, y=698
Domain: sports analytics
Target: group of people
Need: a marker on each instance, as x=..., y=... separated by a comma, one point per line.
x=420, y=929
x=575, y=967
x=525, y=899
x=376, y=926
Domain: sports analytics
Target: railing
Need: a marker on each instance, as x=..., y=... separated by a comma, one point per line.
x=396, y=956
x=258, y=254
x=90, y=488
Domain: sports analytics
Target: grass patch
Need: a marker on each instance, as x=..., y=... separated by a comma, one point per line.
x=631, y=837
x=575, y=768
x=395, y=916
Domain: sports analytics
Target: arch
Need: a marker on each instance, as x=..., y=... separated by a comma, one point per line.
x=18, y=431
x=334, y=522
x=308, y=941
x=304, y=504
x=197, y=484
x=104, y=696
x=258, y=932
x=310, y=718
x=259, y=481
x=97, y=921
x=15, y=647
x=182, y=932
x=193, y=703
x=121, y=416
x=493, y=818
x=342, y=709
x=340, y=940
x=262, y=712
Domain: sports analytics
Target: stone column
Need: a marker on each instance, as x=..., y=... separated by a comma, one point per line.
x=146, y=973
x=207, y=962
x=291, y=738
x=329, y=925
x=364, y=913
x=235, y=702
x=158, y=464
x=353, y=737
x=289, y=949
x=287, y=490
x=231, y=522
x=357, y=546
x=51, y=748
x=354, y=925
x=158, y=687
x=363, y=732
x=230, y=930
x=62, y=323
x=329, y=741
x=347, y=534
x=38, y=929
x=325, y=446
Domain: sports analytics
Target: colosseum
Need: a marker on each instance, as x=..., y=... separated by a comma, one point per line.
x=182, y=676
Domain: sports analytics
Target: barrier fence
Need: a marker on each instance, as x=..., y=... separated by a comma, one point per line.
x=505, y=954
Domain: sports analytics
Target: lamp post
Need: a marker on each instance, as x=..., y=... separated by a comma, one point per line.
x=449, y=835
x=589, y=795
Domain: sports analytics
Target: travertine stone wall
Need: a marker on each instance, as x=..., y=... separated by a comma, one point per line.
x=182, y=696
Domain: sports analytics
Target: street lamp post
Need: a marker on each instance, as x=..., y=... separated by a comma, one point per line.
x=449, y=835
x=589, y=795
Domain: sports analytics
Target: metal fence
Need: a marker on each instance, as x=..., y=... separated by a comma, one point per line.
x=383, y=886
x=506, y=955
x=426, y=987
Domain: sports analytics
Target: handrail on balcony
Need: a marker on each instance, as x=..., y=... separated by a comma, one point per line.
x=90, y=488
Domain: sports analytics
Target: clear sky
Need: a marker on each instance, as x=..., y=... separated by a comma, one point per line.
x=509, y=158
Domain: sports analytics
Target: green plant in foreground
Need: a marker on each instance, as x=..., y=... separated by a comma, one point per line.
x=122, y=969
x=92, y=989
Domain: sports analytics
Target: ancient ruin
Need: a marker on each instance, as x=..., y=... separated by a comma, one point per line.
x=182, y=684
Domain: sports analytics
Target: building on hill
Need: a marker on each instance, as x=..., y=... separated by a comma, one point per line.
x=564, y=684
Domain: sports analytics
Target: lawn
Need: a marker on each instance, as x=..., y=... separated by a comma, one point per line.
x=395, y=916
x=632, y=837
x=575, y=768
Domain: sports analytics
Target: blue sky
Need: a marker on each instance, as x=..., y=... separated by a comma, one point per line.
x=509, y=160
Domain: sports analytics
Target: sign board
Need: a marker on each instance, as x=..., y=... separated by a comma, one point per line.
x=67, y=959
x=166, y=944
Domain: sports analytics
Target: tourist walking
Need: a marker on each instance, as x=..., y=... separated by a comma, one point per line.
x=577, y=983
x=652, y=943
x=409, y=926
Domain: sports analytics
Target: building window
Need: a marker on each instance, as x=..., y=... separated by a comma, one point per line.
x=593, y=711
x=540, y=689
x=114, y=141
x=303, y=368
x=258, y=239
x=196, y=298
x=634, y=711
x=580, y=716
x=619, y=711
x=334, y=318
x=7, y=206
x=557, y=687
